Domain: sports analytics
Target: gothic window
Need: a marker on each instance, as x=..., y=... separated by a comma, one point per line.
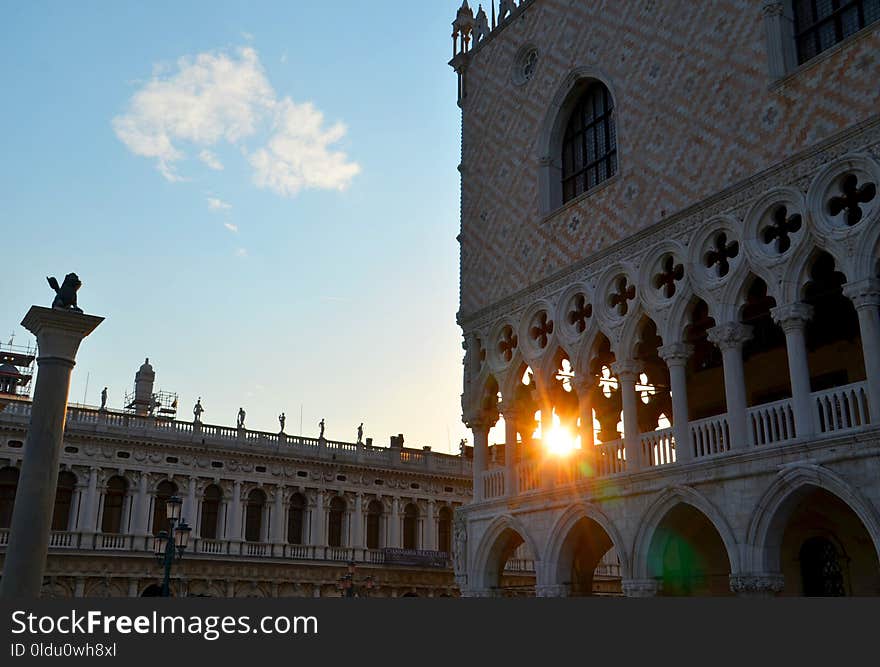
x=589, y=148
x=374, y=518
x=820, y=24
x=164, y=491
x=444, y=530
x=821, y=570
x=63, y=500
x=253, y=521
x=334, y=523
x=210, y=512
x=8, y=485
x=411, y=527
x=114, y=499
x=295, y=522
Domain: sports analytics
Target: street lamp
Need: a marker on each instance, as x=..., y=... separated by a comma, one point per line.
x=347, y=586
x=171, y=544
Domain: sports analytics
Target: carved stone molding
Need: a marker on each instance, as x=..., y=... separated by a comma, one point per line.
x=757, y=584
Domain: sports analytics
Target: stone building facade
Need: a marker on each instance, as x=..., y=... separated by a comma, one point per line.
x=670, y=256
x=271, y=514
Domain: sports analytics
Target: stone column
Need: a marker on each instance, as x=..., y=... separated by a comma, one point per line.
x=277, y=532
x=865, y=295
x=793, y=319
x=319, y=523
x=142, y=506
x=583, y=387
x=394, y=537
x=640, y=588
x=190, y=508
x=357, y=538
x=59, y=334
x=234, y=519
x=88, y=517
x=778, y=25
x=757, y=585
x=626, y=373
x=480, y=428
x=676, y=356
x=431, y=526
x=510, y=420
x=730, y=338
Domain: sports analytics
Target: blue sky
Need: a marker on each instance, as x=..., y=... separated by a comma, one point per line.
x=260, y=197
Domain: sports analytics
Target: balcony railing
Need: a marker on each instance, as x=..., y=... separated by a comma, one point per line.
x=89, y=421
x=835, y=411
x=231, y=549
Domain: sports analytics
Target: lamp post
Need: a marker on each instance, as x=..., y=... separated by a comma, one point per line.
x=171, y=544
x=348, y=587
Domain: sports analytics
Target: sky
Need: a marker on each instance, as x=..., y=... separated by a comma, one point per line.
x=260, y=197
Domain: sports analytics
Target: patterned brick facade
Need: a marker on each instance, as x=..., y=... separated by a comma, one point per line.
x=698, y=114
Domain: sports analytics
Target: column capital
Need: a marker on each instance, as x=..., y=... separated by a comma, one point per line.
x=730, y=335
x=792, y=316
x=675, y=354
x=773, y=8
x=625, y=369
x=582, y=383
x=59, y=332
x=479, y=421
x=509, y=410
x=640, y=588
x=761, y=583
x=863, y=293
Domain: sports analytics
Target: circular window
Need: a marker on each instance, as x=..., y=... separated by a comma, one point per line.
x=526, y=62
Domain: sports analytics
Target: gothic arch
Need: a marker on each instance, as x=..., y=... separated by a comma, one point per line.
x=563, y=527
x=774, y=507
x=487, y=568
x=662, y=505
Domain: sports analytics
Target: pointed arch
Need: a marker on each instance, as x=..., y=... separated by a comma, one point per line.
x=494, y=547
x=562, y=528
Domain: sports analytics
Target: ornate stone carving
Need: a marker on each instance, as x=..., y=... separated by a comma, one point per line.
x=757, y=584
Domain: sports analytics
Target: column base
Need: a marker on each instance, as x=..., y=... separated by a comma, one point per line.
x=641, y=588
x=757, y=585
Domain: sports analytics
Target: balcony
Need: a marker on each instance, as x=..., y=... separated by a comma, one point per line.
x=835, y=412
x=66, y=541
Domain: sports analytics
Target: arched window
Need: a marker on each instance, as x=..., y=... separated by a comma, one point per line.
x=164, y=491
x=63, y=500
x=374, y=523
x=821, y=570
x=253, y=522
x=589, y=146
x=211, y=512
x=296, y=519
x=411, y=527
x=8, y=485
x=114, y=499
x=444, y=530
x=334, y=523
x=820, y=25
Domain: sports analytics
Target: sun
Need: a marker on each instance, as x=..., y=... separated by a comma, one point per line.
x=560, y=441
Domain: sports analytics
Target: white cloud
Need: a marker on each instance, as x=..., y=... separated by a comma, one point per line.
x=298, y=154
x=230, y=226
x=218, y=204
x=219, y=97
x=211, y=160
x=241, y=252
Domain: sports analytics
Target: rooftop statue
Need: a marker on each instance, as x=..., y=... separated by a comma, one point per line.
x=65, y=295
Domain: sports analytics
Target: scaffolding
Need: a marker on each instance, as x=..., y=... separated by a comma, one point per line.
x=162, y=404
x=16, y=369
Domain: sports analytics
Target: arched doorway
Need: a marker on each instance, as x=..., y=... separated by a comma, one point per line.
x=824, y=548
x=588, y=564
x=374, y=524
x=63, y=500
x=211, y=500
x=411, y=527
x=688, y=556
x=165, y=490
x=114, y=502
x=296, y=519
x=335, y=522
x=253, y=528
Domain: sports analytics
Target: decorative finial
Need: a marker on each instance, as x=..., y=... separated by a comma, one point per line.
x=65, y=295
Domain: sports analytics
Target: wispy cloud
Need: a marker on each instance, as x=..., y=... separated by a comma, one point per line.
x=215, y=98
x=230, y=226
x=218, y=204
x=241, y=252
x=211, y=160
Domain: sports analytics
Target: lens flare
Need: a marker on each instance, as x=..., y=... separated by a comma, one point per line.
x=559, y=441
